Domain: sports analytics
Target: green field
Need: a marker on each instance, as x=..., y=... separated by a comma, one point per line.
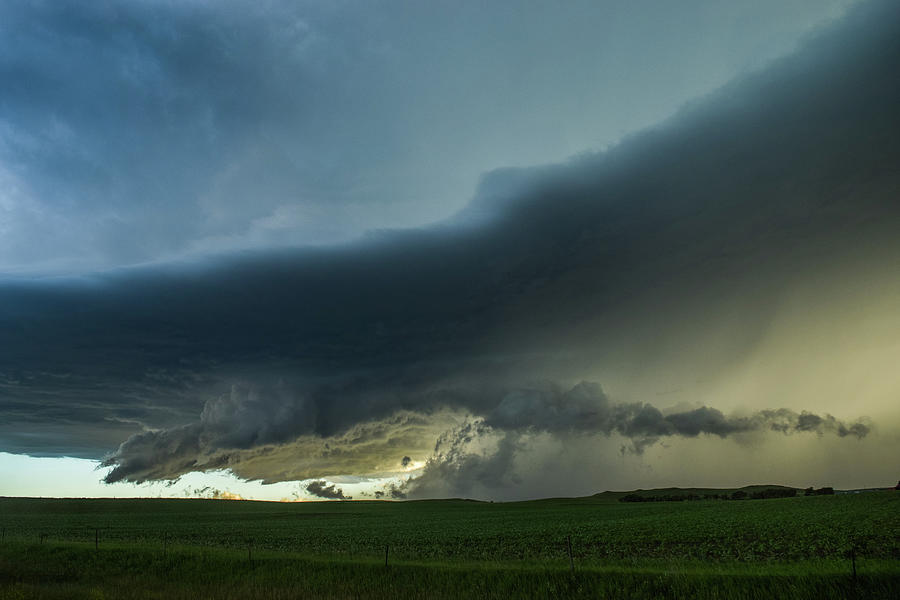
x=790, y=548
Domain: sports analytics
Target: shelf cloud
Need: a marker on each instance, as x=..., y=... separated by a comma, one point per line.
x=670, y=256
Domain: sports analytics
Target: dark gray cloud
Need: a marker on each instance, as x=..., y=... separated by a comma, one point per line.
x=323, y=490
x=586, y=409
x=552, y=273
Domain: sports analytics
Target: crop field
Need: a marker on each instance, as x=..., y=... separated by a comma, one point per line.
x=124, y=548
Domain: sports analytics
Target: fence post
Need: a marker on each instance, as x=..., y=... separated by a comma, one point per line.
x=853, y=561
x=249, y=551
x=571, y=560
x=96, y=540
x=386, y=547
x=166, y=543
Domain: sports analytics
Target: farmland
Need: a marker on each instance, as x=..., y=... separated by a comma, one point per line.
x=788, y=547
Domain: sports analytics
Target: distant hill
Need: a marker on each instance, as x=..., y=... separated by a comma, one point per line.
x=676, y=491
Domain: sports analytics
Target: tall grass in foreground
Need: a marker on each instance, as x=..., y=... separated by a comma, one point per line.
x=76, y=570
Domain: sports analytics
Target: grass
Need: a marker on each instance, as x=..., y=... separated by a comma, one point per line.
x=784, y=548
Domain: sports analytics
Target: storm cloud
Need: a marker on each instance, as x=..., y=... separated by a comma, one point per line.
x=681, y=242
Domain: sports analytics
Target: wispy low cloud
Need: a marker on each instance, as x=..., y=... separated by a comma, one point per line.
x=211, y=493
x=586, y=408
x=392, y=491
x=322, y=489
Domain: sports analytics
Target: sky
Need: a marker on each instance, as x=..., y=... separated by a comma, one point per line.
x=406, y=250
